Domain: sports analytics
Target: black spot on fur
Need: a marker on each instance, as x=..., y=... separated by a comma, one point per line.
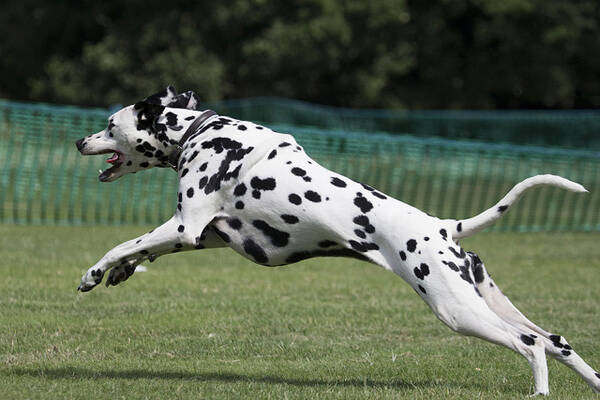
x=239, y=205
x=382, y=197
x=278, y=238
x=556, y=341
x=303, y=255
x=194, y=154
x=363, y=247
x=203, y=167
x=298, y=171
x=402, y=255
x=240, y=190
x=259, y=184
x=462, y=253
x=459, y=227
x=327, y=243
x=295, y=199
x=190, y=192
x=234, y=223
x=527, y=340
x=225, y=171
x=501, y=209
x=360, y=233
x=411, y=245
x=284, y=144
x=171, y=118
x=426, y=238
x=144, y=164
x=272, y=154
x=422, y=271
x=338, y=182
x=184, y=172
x=422, y=289
x=363, y=221
x=289, y=219
x=254, y=250
x=312, y=196
x=566, y=353
x=362, y=203
x=219, y=144
x=180, y=228
x=451, y=265
x=203, y=181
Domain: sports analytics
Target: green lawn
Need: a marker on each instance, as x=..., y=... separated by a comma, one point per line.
x=211, y=324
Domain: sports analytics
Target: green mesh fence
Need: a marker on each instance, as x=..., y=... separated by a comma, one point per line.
x=44, y=179
x=573, y=129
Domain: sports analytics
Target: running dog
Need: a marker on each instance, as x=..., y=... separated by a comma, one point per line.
x=245, y=186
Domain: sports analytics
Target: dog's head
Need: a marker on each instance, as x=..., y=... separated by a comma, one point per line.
x=144, y=134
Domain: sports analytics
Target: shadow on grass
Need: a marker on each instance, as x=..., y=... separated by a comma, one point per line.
x=77, y=373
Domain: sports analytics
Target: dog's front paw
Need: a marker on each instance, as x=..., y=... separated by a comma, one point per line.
x=90, y=279
x=120, y=274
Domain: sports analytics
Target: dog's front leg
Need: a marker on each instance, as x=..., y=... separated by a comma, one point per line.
x=170, y=236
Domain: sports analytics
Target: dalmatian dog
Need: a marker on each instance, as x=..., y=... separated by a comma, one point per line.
x=245, y=186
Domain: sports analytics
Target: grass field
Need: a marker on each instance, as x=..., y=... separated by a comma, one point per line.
x=212, y=325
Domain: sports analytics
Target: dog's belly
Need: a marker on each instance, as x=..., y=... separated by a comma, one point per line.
x=270, y=243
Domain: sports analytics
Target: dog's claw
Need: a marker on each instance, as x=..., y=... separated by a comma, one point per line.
x=82, y=288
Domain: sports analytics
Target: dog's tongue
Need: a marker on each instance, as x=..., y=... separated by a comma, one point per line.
x=114, y=158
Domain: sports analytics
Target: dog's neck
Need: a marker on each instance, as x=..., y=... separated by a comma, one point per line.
x=188, y=122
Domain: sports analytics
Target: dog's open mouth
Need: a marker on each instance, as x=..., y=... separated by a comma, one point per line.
x=116, y=160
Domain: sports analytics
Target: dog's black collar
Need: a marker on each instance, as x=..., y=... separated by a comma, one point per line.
x=194, y=128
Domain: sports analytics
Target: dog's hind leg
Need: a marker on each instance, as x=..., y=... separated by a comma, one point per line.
x=464, y=311
x=556, y=346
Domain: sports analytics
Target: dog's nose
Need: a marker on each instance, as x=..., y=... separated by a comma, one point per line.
x=80, y=145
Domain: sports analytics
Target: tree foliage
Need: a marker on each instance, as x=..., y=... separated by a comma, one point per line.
x=479, y=54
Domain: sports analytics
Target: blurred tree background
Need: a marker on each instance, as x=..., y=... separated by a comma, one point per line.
x=457, y=54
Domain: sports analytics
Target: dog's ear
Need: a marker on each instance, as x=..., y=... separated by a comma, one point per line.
x=189, y=100
x=152, y=106
x=162, y=98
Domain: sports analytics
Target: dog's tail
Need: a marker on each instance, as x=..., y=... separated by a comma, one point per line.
x=467, y=227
